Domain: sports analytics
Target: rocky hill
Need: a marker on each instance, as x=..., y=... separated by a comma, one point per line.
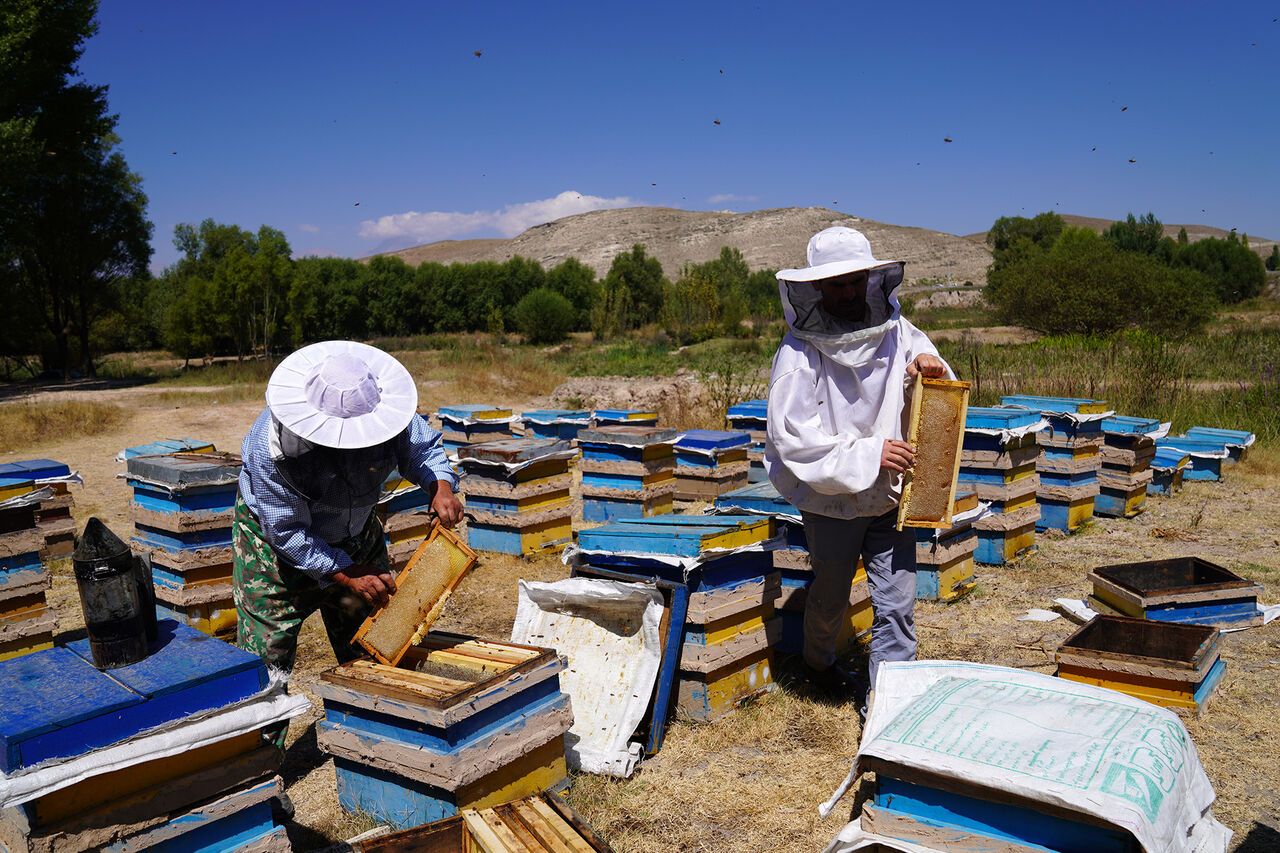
x=768, y=239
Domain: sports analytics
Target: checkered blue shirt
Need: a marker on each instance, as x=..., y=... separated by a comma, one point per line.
x=302, y=531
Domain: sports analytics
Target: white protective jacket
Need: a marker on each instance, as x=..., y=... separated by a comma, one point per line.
x=838, y=390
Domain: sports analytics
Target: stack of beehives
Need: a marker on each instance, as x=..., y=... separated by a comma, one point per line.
x=998, y=463
x=518, y=494
x=1125, y=472
x=721, y=568
x=944, y=556
x=1069, y=458
x=54, y=514
x=26, y=624
x=627, y=472
x=710, y=462
x=558, y=424
x=165, y=753
x=752, y=416
x=471, y=424
x=183, y=507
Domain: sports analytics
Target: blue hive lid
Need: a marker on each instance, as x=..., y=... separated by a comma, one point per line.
x=712, y=439
x=32, y=469
x=978, y=417
x=1130, y=426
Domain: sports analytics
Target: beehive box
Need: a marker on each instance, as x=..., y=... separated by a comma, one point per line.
x=1177, y=666
x=1069, y=417
x=528, y=825
x=168, y=445
x=1168, y=467
x=422, y=588
x=1183, y=589
x=462, y=425
x=710, y=463
x=633, y=417
x=1207, y=455
x=26, y=623
x=628, y=472
x=937, y=431
x=752, y=416
x=998, y=462
x=1125, y=470
x=855, y=626
x=460, y=723
x=53, y=516
x=944, y=558
x=1237, y=442
x=517, y=494
x=558, y=424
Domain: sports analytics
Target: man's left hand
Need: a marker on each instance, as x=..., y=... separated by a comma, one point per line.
x=446, y=505
x=929, y=365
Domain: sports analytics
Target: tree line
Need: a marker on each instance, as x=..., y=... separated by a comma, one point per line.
x=1058, y=279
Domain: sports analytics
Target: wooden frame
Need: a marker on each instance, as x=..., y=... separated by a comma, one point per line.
x=427, y=610
x=937, y=450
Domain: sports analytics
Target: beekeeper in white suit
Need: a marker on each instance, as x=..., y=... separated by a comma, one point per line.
x=837, y=420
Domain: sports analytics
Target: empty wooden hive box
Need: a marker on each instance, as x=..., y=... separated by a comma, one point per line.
x=1069, y=460
x=182, y=509
x=710, y=462
x=1125, y=470
x=459, y=723
x=944, y=556
x=472, y=424
x=998, y=463
x=1183, y=589
x=527, y=825
x=1177, y=666
x=731, y=627
x=752, y=416
x=517, y=493
x=26, y=623
x=558, y=424
x=54, y=513
x=627, y=472
x=212, y=797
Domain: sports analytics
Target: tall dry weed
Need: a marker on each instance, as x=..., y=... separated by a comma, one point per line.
x=28, y=425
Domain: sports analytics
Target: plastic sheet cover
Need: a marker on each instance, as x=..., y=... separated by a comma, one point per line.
x=1075, y=746
x=608, y=631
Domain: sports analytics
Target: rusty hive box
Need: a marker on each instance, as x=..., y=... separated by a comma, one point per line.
x=938, y=408
x=422, y=587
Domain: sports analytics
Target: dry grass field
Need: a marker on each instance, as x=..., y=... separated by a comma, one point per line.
x=751, y=782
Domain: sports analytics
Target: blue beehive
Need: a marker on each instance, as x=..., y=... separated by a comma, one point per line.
x=1207, y=455
x=27, y=623
x=752, y=416
x=628, y=471
x=469, y=424
x=1168, y=467
x=1236, y=441
x=1069, y=462
x=1000, y=468
x=169, y=445
x=560, y=424
x=1126, y=465
x=635, y=417
x=517, y=494
x=711, y=462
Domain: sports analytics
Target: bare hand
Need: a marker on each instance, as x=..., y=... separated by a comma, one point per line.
x=446, y=505
x=929, y=365
x=373, y=585
x=897, y=455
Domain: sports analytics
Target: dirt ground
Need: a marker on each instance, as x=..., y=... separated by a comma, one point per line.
x=752, y=782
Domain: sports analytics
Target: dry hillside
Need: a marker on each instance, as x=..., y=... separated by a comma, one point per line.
x=768, y=239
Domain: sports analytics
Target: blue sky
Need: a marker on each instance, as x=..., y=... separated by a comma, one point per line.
x=359, y=127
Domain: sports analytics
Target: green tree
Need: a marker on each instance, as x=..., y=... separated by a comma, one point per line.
x=1234, y=271
x=544, y=316
x=691, y=309
x=1273, y=259
x=762, y=294
x=1136, y=235
x=636, y=281
x=1085, y=285
x=576, y=281
x=1182, y=236
x=1011, y=237
x=390, y=291
x=72, y=215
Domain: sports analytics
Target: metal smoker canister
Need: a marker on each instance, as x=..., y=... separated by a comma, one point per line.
x=108, y=582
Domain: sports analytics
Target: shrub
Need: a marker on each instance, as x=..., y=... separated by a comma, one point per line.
x=544, y=316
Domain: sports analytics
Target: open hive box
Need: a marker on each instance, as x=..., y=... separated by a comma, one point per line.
x=936, y=430
x=422, y=588
x=528, y=825
x=1177, y=666
x=1182, y=589
x=459, y=723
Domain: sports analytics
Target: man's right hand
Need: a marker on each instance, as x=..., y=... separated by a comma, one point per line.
x=897, y=455
x=373, y=585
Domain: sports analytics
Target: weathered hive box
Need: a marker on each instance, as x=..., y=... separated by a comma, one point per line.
x=405, y=512
x=182, y=509
x=628, y=472
x=1177, y=666
x=710, y=463
x=517, y=494
x=618, y=417
x=1183, y=589
x=1168, y=467
x=470, y=424
x=527, y=825
x=752, y=416
x=1069, y=417
x=1069, y=462
x=944, y=558
x=1236, y=441
x=936, y=430
x=1125, y=471
x=559, y=424
x=460, y=723
x=26, y=623
x=54, y=513
x=1207, y=455
x=998, y=462
x=165, y=446
x=726, y=656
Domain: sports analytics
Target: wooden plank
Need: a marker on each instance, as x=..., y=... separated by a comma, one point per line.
x=493, y=833
x=934, y=835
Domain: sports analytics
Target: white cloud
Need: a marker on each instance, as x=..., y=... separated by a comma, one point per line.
x=507, y=222
x=723, y=197
x=310, y=229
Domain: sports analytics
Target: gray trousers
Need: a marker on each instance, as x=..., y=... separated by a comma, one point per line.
x=890, y=557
